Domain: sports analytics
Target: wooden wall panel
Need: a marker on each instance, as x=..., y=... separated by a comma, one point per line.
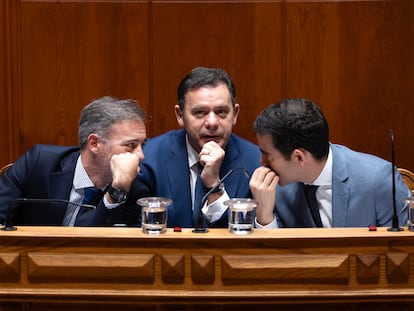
x=9, y=25
x=241, y=37
x=72, y=53
x=3, y=78
x=354, y=59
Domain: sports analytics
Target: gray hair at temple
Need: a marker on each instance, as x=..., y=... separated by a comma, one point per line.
x=101, y=114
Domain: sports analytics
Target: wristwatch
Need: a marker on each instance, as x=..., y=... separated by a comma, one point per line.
x=220, y=188
x=117, y=195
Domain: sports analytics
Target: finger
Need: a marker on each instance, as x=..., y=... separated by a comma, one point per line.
x=261, y=173
x=205, y=151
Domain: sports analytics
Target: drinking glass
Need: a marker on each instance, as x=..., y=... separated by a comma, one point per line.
x=241, y=214
x=410, y=222
x=154, y=214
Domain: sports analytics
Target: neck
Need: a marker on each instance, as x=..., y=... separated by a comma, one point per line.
x=315, y=170
x=95, y=171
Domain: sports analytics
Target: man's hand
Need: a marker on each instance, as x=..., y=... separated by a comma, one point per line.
x=263, y=187
x=211, y=156
x=124, y=167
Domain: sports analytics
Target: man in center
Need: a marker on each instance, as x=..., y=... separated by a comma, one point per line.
x=185, y=164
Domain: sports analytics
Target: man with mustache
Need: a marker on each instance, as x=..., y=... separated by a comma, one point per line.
x=207, y=111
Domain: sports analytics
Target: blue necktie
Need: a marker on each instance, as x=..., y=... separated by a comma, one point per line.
x=91, y=195
x=310, y=195
x=198, y=196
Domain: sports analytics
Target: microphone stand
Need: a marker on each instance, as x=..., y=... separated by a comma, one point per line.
x=200, y=221
x=395, y=221
x=8, y=223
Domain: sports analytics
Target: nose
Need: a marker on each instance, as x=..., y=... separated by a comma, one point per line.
x=211, y=120
x=264, y=161
x=140, y=153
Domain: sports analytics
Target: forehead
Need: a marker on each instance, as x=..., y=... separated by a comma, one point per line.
x=265, y=143
x=208, y=94
x=128, y=129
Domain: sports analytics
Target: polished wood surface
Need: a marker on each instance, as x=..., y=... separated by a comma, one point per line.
x=292, y=269
x=353, y=58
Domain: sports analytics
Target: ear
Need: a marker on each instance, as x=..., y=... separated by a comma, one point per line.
x=93, y=140
x=179, y=115
x=299, y=156
x=236, y=113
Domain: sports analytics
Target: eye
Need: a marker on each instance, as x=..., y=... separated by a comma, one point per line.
x=267, y=157
x=222, y=113
x=131, y=146
x=199, y=113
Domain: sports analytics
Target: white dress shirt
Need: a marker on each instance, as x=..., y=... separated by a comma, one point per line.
x=212, y=211
x=323, y=196
x=81, y=181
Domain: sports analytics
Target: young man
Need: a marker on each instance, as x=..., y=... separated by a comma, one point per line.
x=111, y=135
x=354, y=189
x=207, y=111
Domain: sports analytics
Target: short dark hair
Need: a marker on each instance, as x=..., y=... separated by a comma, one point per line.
x=202, y=76
x=295, y=123
x=101, y=114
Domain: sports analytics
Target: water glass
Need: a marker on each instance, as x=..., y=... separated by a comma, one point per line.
x=154, y=214
x=241, y=214
x=410, y=222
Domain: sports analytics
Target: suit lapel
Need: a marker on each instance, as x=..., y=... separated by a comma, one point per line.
x=340, y=190
x=178, y=175
x=230, y=162
x=61, y=182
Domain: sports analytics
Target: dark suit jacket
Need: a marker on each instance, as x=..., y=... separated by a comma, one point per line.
x=166, y=173
x=361, y=194
x=46, y=172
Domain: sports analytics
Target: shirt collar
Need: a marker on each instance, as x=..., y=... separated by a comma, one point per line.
x=81, y=179
x=192, y=154
x=325, y=177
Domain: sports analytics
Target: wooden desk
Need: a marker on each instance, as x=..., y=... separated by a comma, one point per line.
x=50, y=268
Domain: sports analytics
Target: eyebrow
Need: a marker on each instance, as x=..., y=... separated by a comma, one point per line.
x=128, y=141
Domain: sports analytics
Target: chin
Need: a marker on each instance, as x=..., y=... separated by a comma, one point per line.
x=216, y=140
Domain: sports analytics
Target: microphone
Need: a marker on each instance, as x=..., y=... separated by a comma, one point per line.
x=200, y=223
x=8, y=223
x=395, y=221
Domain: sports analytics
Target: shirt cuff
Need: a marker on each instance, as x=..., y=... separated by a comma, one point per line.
x=110, y=205
x=273, y=224
x=215, y=210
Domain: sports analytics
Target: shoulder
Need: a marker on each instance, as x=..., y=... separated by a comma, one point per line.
x=358, y=167
x=51, y=151
x=165, y=138
x=243, y=147
x=164, y=146
x=356, y=158
x=45, y=158
x=238, y=141
x=54, y=149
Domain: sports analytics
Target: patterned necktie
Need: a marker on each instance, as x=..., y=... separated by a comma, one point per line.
x=91, y=195
x=310, y=194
